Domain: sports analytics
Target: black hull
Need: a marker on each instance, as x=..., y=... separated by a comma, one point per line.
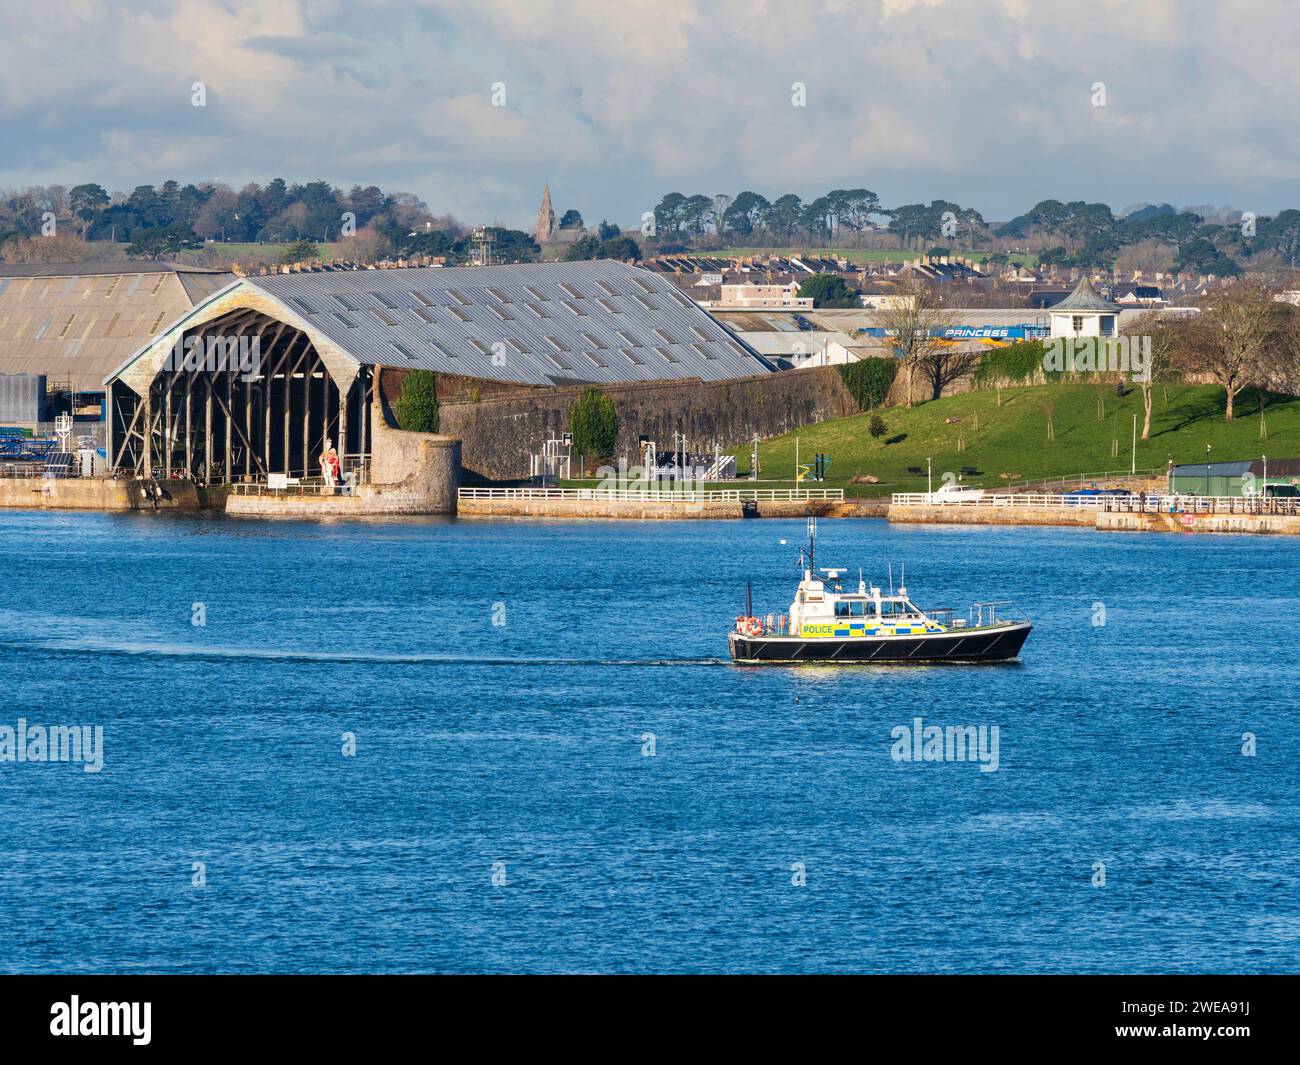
x=981, y=645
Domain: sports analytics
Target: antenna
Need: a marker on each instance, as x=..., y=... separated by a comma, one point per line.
x=812, y=543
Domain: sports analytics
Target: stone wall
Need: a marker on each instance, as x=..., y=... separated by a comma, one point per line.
x=75, y=493
x=502, y=427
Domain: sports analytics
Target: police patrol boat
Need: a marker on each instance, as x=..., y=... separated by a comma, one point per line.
x=827, y=624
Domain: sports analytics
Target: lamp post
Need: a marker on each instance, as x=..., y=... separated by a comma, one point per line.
x=929, y=483
x=1207, y=470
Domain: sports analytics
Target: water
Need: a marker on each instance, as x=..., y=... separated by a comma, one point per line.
x=522, y=744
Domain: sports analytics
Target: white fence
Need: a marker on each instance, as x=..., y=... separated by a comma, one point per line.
x=998, y=499
x=665, y=495
x=1135, y=504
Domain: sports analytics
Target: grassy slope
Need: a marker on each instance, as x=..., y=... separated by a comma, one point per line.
x=266, y=252
x=1013, y=438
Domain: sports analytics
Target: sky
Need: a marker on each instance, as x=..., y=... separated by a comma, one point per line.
x=995, y=104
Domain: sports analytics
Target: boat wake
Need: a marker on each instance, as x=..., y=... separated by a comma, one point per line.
x=274, y=654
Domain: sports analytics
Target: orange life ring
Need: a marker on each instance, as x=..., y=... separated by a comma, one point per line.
x=753, y=627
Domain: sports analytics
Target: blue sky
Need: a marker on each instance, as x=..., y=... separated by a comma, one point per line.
x=987, y=102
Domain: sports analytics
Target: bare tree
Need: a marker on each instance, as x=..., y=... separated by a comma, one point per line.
x=1165, y=336
x=1241, y=336
x=914, y=321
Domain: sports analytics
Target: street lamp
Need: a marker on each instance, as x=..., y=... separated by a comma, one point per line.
x=929, y=484
x=1207, y=470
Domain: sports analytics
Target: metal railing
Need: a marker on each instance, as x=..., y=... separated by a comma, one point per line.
x=998, y=499
x=1201, y=505
x=295, y=486
x=651, y=494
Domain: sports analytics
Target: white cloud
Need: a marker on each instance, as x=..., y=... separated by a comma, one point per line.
x=985, y=102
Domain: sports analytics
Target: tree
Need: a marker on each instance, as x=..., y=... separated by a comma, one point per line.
x=416, y=408
x=158, y=241
x=1241, y=334
x=1165, y=336
x=876, y=426
x=299, y=251
x=593, y=421
x=828, y=290
x=782, y=219
x=571, y=219
x=916, y=323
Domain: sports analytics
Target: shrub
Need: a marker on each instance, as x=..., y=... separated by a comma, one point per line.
x=869, y=380
x=876, y=427
x=1013, y=364
x=593, y=421
x=416, y=409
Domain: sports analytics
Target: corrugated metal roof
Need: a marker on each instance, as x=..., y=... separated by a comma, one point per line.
x=77, y=327
x=112, y=266
x=535, y=323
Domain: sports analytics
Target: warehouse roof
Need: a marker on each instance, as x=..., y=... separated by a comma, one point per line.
x=536, y=323
x=75, y=322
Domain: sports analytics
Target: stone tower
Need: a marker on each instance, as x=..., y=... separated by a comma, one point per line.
x=545, y=217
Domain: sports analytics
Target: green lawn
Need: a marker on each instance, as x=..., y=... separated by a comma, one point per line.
x=267, y=252
x=1012, y=438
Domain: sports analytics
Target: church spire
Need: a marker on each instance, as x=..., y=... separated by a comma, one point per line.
x=545, y=217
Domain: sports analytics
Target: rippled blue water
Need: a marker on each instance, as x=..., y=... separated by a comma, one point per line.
x=522, y=744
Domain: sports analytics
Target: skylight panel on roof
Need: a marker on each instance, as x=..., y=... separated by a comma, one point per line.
x=608, y=305
x=571, y=290
x=556, y=343
x=423, y=298
x=383, y=316
x=645, y=285
x=518, y=346
x=608, y=287
x=703, y=334
x=345, y=320
x=422, y=314
x=459, y=314
x=539, y=311
x=665, y=337
x=574, y=308
x=705, y=351
x=497, y=294
x=501, y=313
x=596, y=359
x=343, y=302
x=404, y=351
x=460, y=297
x=480, y=346
x=446, y=353
x=303, y=305
x=629, y=338
x=632, y=357
x=536, y=293
x=385, y=300
x=556, y=362
x=593, y=341
x=666, y=355
x=645, y=302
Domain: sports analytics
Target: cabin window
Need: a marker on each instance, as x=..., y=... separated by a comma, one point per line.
x=857, y=608
x=841, y=609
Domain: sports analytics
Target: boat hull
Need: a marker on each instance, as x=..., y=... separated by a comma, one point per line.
x=997, y=644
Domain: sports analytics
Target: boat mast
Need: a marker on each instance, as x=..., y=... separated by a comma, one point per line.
x=812, y=545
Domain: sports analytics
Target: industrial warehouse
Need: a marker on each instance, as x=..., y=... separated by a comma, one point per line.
x=258, y=379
